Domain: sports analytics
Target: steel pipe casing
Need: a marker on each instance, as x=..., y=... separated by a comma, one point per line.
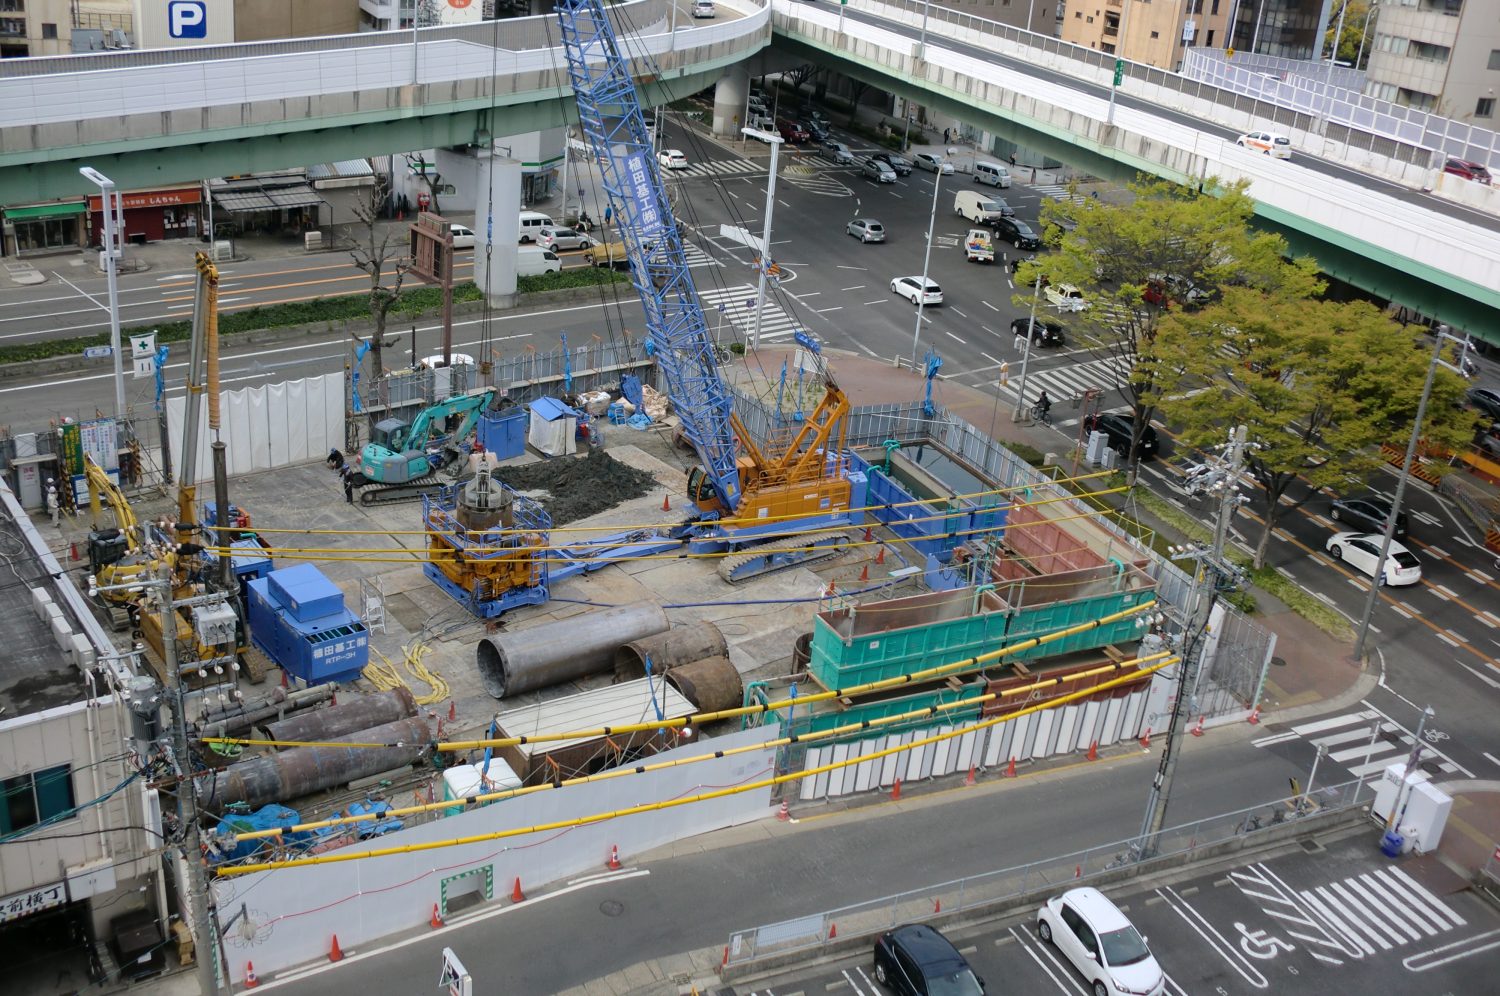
x=549, y=654
x=710, y=684
x=677, y=646
x=303, y=770
x=354, y=713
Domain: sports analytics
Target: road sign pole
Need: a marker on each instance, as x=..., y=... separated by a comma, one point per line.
x=111, y=202
x=1119, y=77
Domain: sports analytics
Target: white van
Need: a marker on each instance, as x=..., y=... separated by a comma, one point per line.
x=530, y=222
x=974, y=206
x=533, y=261
x=992, y=173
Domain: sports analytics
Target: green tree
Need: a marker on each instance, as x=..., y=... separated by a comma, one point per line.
x=1318, y=384
x=1354, y=23
x=380, y=250
x=1131, y=259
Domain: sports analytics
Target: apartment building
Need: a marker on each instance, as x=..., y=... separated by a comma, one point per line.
x=47, y=27
x=1144, y=31
x=1437, y=55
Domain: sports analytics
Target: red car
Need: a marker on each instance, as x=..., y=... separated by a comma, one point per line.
x=792, y=133
x=1467, y=170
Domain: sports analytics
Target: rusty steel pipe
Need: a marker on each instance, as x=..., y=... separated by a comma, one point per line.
x=555, y=652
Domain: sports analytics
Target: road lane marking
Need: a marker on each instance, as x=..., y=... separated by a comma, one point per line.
x=1478, y=944
x=1215, y=940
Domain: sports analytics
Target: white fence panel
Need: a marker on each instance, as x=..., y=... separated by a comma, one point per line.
x=276, y=425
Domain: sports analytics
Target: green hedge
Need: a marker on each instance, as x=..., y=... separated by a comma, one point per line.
x=582, y=276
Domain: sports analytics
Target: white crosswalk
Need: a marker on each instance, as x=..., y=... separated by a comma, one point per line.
x=718, y=167
x=1351, y=918
x=697, y=257
x=1069, y=381
x=739, y=312
x=1349, y=742
x=1057, y=192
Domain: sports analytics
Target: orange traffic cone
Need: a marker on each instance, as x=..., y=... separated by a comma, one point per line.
x=1146, y=739
x=880, y=556
x=725, y=960
x=516, y=895
x=613, y=864
x=1254, y=716
x=250, y=980
x=452, y=711
x=833, y=931
x=73, y=548
x=335, y=953
x=896, y=791
x=1197, y=731
x=970, y=780
x=1078, y=871
x=437, y=919
x=1010, y=769
x=666, y=503
x=869, y=535
x=784, y=813
x=937, y=906
x=1093, y=750
x=864, y=573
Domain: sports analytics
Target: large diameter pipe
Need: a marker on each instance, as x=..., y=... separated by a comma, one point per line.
x=354, y=713
x=677, y=646
x=303, y=770
x=222, y=723
x=555, y=652
x=710, y=685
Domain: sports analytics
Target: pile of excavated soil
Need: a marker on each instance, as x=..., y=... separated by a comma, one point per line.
x=572, y=488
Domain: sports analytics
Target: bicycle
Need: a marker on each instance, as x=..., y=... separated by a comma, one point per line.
x=1040, y=414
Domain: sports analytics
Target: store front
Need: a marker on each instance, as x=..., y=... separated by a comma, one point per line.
x=153, y=215
x=43, y=228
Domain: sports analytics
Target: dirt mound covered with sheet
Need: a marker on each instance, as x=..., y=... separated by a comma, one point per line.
x=573, y=488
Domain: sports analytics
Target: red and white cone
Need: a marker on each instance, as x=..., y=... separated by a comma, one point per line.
x=614, y=858
x=1146, y=738
x=784, y=813
x=1254, y=719
x=250, y=980
x=1197, y=730
x=437, y=919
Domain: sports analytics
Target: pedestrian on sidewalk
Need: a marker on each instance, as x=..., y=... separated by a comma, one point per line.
x=945, y=136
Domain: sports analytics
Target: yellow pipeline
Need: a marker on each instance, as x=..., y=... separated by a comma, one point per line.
x=651, y=807
x=837, y=731
x=699, y=719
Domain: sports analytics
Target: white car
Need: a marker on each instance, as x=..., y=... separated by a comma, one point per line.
x=672, y=159
x=555, y=237
x=1066, y=297
x=1267, y=142
x=839, y=153
x=911, y=288
x=463, y=236
x=703, y=8
x=932, y=163
x=1361, y=551
x=1095, y=936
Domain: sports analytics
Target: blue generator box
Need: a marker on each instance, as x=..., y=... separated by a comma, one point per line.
x=297, y=617
x=504, y=433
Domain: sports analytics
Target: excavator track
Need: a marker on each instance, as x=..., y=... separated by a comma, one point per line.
x=396, y=493
x=778, y=555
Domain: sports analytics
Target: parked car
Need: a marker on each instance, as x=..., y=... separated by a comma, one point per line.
x=1102, y=944
x=1117, y=428
x=1065, y=297
x=1042, y=333
x=1469, y=171
x=878, y=171
x=900, y=164
x=1266, y=142
x=1486, y=400
x=791, y=132
x=1017, y=233
x=555, y=238
x=1367, y=513
x=463, y=236
x=672, y=159
x=866, y=230
x=819, y=118
x=911, y=288
x=932, y=163
x=818, y=130
x=839, y=153
x=916, y=960
x=1361, y=551
x=703, y=8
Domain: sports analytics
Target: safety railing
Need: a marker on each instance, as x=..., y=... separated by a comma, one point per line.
x=995, y=890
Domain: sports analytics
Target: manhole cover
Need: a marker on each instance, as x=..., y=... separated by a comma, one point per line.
x=1278, y=662
x=1312, y=846
x=1431, y=767
x=611, y=907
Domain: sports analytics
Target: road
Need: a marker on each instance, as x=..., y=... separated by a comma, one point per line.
x=1341, y=920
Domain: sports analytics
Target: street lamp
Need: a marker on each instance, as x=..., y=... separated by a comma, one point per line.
x=1374, y=8
x=765, y=248
x=1333, y=58
x=114, y=225
x=916, y=334
x=1036, y=294
x=1390, y=520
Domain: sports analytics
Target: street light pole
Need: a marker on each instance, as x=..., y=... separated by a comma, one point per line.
x=1333, y=58
x=765, y=248
x=1390, y=520
x=922, y=41
x=114, y=216
x=937, y=183
x=1036, y=295
x=1374, y=8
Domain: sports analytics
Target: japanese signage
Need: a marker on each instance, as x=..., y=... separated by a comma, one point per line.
x=641, y=189
x=153, y=198
x=72, y=448
x=43, y=897
x=340, y=651
x=97, y=439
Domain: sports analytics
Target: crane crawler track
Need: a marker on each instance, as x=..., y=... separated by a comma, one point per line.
x=779, y=555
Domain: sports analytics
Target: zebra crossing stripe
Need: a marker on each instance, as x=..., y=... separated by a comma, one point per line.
x=1321, y=903
x=1401, y=880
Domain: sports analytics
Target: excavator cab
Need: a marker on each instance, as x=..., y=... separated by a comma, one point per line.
x=390, y=433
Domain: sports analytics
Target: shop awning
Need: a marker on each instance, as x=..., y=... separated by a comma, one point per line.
x=344, y=168
x=267, y=198
x=44, y=211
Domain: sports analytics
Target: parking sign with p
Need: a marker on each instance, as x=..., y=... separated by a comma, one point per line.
x=187, y=19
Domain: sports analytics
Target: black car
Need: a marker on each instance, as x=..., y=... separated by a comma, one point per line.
x=819, y=132
x=1117, y=428
x=1042, y=333
x=901, y=165
x=1017, y=232
x=1486, y=400
x=1367, y=513
x=916, y=960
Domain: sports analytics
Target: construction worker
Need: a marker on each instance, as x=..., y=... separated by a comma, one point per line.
x=335, y=459
x=348, y=475
x=54, y=507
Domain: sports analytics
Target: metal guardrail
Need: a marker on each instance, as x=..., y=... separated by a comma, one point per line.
x=990, y=890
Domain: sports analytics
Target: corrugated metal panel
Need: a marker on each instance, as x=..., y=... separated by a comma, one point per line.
x=614, y=705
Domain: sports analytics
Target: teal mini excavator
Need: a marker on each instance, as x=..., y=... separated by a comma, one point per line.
x=399, y=460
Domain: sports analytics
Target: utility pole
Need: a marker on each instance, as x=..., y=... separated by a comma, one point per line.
x=1218, y=478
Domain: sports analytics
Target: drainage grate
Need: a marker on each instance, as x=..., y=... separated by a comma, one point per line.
x=1312, y=847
